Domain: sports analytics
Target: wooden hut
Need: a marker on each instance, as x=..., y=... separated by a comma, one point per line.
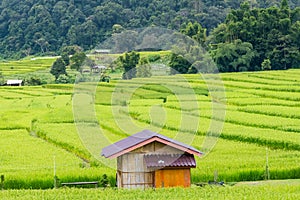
x=14, y=82
x=148, y=159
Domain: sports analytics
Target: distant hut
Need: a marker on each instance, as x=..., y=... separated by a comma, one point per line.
x=14, y=82
x=102, y=51
x=98, y=68
x=148, y=159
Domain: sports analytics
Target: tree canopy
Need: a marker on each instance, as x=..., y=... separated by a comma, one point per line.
x=44, y=27
x=129, y=62
x=250, y=37
x=58, y=68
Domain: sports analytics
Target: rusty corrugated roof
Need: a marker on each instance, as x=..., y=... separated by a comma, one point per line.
x=169, y=160
x=133, y=141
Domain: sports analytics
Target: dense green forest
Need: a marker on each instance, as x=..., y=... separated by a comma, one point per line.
x=260, y=31
x=258, y=39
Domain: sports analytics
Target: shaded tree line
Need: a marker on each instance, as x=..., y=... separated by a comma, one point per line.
x=250, y=39
x=257, y=39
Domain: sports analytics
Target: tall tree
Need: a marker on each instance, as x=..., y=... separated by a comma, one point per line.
x=129, y=62
x=77, y=60
x=233, y=57
x=195, y=31
x=58, y=68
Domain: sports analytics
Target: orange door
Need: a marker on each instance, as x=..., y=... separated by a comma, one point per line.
x=172, y=178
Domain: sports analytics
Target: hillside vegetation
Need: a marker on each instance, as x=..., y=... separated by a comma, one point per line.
x=44, y=27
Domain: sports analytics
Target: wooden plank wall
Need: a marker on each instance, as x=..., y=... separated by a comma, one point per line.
x=132, y=172
x=172, y=178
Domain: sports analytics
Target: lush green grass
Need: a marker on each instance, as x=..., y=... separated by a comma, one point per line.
x=262, y=111
x=269, y=190
x=29, y=162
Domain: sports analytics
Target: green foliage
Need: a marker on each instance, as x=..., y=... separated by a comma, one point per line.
x=77, y=60
x=70, y=50
x=105, y=78
x=63, y=78
x=2, y=81
x=271, y=32
x=179, y=64
x=65, y=57
x=153, y=57
x=234, y=57
x=34, y=80
x=35, y=27
x=104, y=181
x=144, y=68
x=2, y=181
x=58, y=68
x=195, y=31
x=117, y=28
x=285, y=189
x=129, y=62
x=266, y=65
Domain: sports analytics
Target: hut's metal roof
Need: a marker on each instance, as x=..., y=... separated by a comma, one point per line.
x=170, y=160
x=142, y=138
x=11, y=82
x=99, y=67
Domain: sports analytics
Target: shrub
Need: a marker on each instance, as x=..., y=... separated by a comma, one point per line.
x=104, y=181
x=153, y=57
x=33, y=80
x=62, y=79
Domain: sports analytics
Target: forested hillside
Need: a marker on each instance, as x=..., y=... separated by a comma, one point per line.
x=258, y=39
x=43, y=26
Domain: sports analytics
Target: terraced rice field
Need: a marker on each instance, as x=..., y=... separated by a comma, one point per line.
x=39, y=126
x=25, y=66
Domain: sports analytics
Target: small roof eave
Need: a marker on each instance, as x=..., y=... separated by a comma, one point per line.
x=169, y=160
